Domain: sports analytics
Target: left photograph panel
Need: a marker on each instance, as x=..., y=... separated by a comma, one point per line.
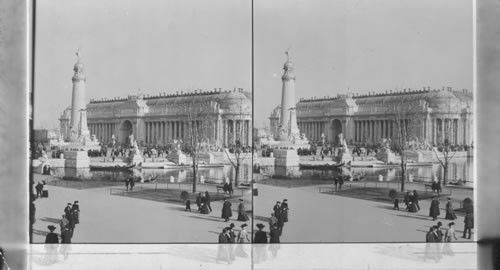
x=142, y=122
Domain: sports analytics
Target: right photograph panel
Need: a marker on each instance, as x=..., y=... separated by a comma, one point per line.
x=364, y=121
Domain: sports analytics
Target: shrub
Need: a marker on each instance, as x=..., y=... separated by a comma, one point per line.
x=184, y=195
x=468, y=206
x=393, y=193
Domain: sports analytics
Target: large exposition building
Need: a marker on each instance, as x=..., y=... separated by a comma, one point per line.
x=222, y=117
x=371, y=117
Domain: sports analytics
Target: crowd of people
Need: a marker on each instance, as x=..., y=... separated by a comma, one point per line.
x=68, y=222
x=279, y=216
x=226, y=250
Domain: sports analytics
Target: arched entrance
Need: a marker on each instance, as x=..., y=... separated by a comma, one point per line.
x=335, y=130
x=125, y=132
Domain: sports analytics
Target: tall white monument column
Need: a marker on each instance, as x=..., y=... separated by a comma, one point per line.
x=78, y=99
x=288, y=120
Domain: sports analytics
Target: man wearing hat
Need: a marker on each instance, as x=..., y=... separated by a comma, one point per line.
x=242, y=214
x=260, y=236
x=75, y=212
x=226, y=210
x=51, y=237
x=67, y=210
x=222, y=248
x=284, y=210
x=277, y=208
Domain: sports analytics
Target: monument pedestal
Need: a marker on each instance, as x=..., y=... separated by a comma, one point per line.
x=387, y=157
x=177, y=157
x=135, y=158
x=415, y=156
x=345, y=158
x=286, y=163
x=76, y=159
x=286, y=158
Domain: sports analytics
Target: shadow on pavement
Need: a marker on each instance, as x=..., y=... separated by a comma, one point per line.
x=207, y=218
x=51, y=220
x=416, y=217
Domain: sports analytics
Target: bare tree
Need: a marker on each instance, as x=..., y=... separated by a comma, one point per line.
x=197, y=120
x=445, y=133
x=405, y=118
x=236, y=155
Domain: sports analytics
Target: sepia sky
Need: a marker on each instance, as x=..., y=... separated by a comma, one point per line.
x=360, y=46
x=155, y=45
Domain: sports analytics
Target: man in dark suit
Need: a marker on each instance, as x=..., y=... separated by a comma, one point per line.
x=67, y=210
x=207, y=201
x=277, y=209
x=75, y=210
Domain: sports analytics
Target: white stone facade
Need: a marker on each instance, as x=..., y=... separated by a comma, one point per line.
x=222, y=117
x=370, y=118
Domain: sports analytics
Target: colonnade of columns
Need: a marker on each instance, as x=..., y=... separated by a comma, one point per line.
x=313, y=129
x=234, y=129
x=372, y=131
x=456, y=130
x=434, y=131
x=103, y=131
x=162, y=131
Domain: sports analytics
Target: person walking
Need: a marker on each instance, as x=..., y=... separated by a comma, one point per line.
x=450, y=212
x=127, y=182
x=450, y=233
x=412, y=208
x=274, y=236
x=468, y=224
x=51, y=237
x=188, y=205
x=226, y=210
x=63, y=223
x=273, y=221
x=132, y=183
x=67, y=210
x=434, y=209
x=39, y=188
x=430, y=236
x=243, y=234
x=260, y=235
x=222, y=248
x=406, y=200
x=284, y=210
x=277, y=209
x=198, y=201
x=207, y=200
x=75, y=212
x=439, y=232
x=416, y=199
x=242, y=215
x=243, y=238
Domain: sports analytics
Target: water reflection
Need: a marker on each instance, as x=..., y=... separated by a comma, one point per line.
x=459, y=169
x=211, y=175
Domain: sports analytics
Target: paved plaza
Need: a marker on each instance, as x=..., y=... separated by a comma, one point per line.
x=320, y=217
x=106, y=218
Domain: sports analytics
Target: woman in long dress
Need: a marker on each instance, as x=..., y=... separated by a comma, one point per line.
x=242, y=215
x=242, y=239
x=450, y=213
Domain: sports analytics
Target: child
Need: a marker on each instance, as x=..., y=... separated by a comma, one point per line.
x=188, y=205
